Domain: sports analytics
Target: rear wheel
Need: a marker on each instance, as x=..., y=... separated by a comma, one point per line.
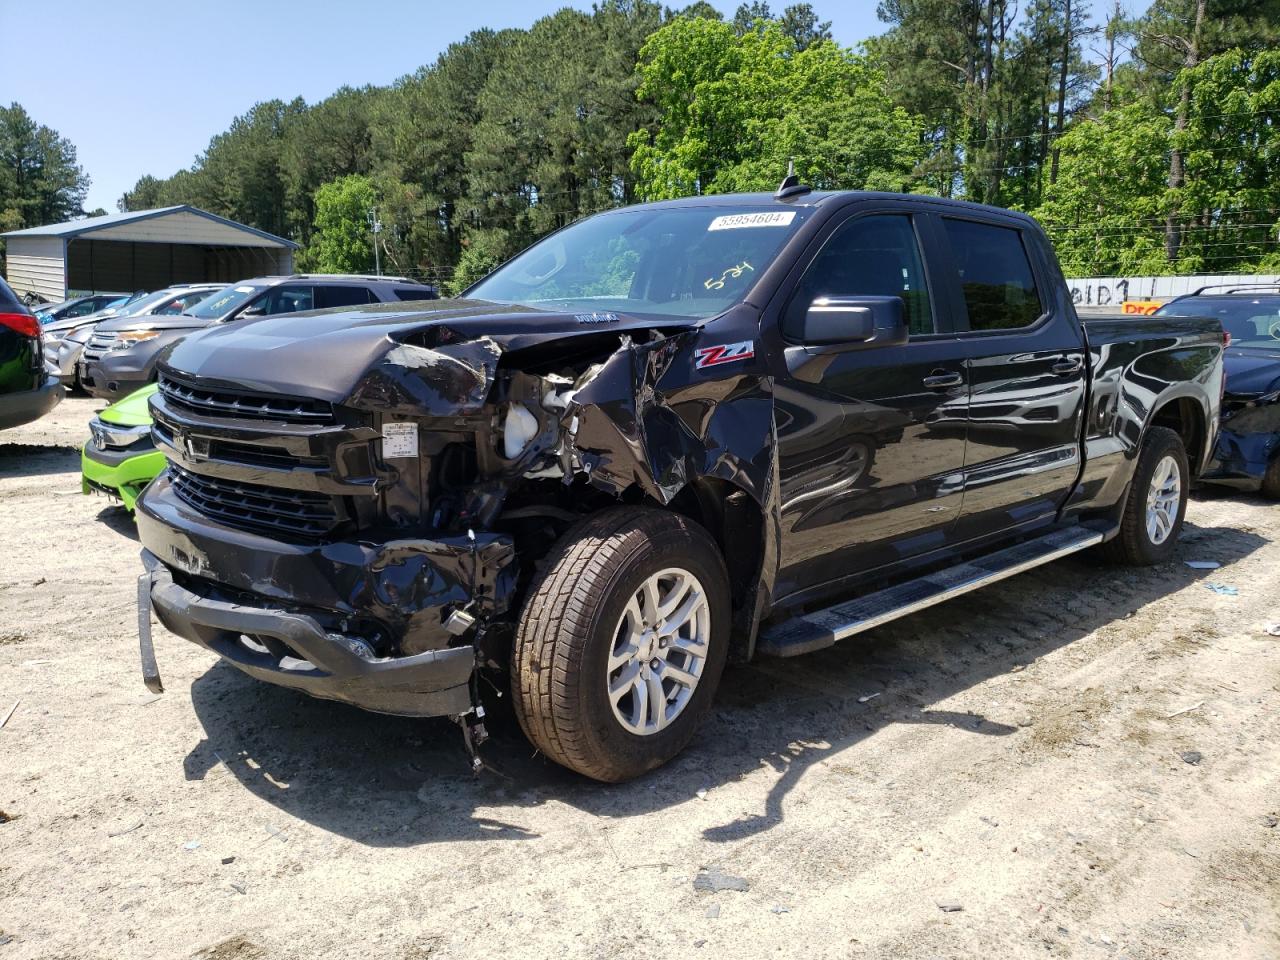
x=622, y=642
x=1157, y=502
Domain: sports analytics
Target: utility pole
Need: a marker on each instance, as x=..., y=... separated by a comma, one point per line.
x=375, y=225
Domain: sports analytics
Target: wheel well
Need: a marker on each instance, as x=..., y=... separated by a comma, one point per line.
x=1185, y=418
x=735, y=522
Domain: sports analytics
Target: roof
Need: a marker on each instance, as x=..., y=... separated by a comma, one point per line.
x=113, y=222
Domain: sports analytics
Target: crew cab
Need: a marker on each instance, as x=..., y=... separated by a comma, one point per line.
x=667, y=435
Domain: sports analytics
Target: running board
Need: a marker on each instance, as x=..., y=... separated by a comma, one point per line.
x=822, y=628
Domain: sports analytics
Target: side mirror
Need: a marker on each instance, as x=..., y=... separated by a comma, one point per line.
x=854, y=323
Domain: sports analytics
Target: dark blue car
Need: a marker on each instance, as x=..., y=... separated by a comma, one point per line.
x=1248, y=451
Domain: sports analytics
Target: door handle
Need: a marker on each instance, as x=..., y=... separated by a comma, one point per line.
x=942, y=381
x=1067, y=366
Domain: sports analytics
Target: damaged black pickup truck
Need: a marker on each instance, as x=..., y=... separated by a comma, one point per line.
x=663, y=437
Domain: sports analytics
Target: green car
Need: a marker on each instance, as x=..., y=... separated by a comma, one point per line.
x=120, y=459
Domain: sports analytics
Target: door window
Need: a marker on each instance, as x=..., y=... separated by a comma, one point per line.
x=288, y=299
x=868, y=256
x=995, y=275
x=340, y=296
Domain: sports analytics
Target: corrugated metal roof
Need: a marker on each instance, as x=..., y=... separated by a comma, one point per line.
x=89, y=225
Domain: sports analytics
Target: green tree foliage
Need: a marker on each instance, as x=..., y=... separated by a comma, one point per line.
x=736, y=107
x=1109, y=209
x=343, y=238
x=40, y=180
x=1144, y=140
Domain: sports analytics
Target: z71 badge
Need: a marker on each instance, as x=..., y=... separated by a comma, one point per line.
x=723, y=353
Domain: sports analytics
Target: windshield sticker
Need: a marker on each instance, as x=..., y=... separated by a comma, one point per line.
x=736, y=221
x=244, y=289
x=399, y=440
x=724, y=353
x=731, y=274
x=596, y=317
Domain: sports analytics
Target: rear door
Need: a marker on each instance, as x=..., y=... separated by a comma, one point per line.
x=1025, y=359
x=870, y=440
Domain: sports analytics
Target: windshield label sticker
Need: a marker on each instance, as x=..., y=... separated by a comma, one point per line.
x=732, y=273
x=244, y=289
x=596, y=317
x=399, y=440
x=736, y=221
x=723, y=353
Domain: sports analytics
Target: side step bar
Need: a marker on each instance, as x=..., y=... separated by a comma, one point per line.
x=822, y=628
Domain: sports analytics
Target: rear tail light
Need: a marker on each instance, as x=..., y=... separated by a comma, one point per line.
x=1226, y=338
x=24, y=323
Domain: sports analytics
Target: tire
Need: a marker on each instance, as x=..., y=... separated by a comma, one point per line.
x=1135, y=545
x=1271, y=479
x=576, y=611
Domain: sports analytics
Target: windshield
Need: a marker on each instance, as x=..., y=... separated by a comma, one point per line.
x=1251, y=321
x=224, y=302
x=139, y=307
x=682, y=262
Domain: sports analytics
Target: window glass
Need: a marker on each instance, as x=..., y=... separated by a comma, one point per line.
x=183, y=303
x=684, y=261
x=287, y=299
x=875, y=256
x=339, y=296
x=224, y=302
x=995, y=275
x=412, y=293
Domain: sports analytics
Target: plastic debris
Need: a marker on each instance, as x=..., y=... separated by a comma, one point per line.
x=9, y=714
x=713, y=880
x=1222, y=589
x=1203, y=564
x=1191, y=756
x=238, y=887
x=949, y=906
x=191, y=845
x=1270, y=821
x=1273, y=629
x=700, y=794
x=123, y=830
x=1178, y=713
x=869, y=696
x=713, y=911
x=779, y=908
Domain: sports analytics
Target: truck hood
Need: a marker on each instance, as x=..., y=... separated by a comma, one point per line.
x=357, y=354
x=1251, y=371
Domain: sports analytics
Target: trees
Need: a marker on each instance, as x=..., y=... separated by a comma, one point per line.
x=736, y=107
x=342, y=241
x=40, y=180
x=510, y=134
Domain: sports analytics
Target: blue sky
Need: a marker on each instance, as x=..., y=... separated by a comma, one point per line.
x=140, y=87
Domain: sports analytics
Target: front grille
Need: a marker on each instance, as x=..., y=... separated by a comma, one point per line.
x=253, y=507
x=226, y=403
x=97, y=345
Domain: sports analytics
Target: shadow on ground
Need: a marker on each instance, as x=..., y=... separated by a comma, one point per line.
x=33, y=459
x=387, y=781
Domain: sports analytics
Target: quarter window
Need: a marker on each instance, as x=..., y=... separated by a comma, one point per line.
x=868, y=256
x=995, y=275
x=329, y=295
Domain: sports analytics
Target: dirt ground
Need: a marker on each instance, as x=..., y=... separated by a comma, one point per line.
x=1023, y=755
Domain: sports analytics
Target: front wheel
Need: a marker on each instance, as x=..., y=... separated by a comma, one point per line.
x=1157, y=502
x=622, y=642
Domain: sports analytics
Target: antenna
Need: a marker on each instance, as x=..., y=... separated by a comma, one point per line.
x=791, y=185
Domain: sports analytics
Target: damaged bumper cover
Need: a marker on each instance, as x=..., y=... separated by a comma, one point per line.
x=347, y=621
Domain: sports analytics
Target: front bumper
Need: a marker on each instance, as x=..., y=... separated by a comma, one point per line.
x=23, y=406
x=104, y=381
x=119, y=473
x=434, y=683
x=214, y=584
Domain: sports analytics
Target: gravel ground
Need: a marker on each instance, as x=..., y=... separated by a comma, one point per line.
x=1011, y=775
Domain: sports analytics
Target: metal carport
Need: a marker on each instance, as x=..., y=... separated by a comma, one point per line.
x=140, y=250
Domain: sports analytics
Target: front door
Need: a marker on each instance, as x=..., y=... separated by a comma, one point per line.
x=871, y=440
